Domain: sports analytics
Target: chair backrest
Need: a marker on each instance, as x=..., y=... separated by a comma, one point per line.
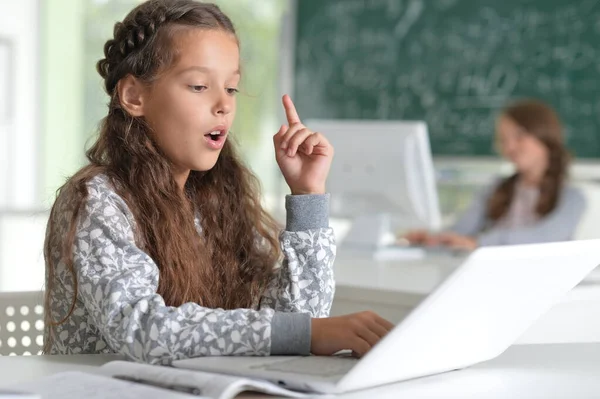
x=21, y=323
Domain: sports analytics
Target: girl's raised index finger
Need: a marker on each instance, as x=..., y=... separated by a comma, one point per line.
x=290, y=110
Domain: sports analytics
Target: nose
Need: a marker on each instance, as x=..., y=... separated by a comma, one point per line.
x=223, y=105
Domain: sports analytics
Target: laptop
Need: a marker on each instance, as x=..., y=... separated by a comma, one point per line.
x=473, y=316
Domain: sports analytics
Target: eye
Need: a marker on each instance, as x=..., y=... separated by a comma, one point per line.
x=232, y=91
x=197, y=88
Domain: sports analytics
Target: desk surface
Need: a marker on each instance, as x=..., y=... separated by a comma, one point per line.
x=523, y=371
x=408, y=282
x=411, y=276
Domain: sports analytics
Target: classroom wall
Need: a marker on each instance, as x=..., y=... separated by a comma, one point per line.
x=20, y=150
x=63, y=92
x=42, y=143
x=19, y=89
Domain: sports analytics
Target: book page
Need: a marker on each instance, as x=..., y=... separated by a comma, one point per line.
x=216, y=386
x=5, y=394
x=77, y=385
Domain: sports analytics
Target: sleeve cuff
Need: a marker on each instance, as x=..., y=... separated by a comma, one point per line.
x=305, y=212
x=290, y=334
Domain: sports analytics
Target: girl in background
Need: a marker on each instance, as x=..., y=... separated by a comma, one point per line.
x=535, y=204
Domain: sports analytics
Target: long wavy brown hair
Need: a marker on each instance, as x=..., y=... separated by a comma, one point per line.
x=540, y=121
x=229, y=263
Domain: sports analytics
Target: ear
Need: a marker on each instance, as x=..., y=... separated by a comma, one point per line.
x=132, y=95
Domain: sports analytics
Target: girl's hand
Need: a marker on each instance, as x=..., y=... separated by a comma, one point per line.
x=457, y=241
x=303, y=156
x=416, y=237
x=358, y=332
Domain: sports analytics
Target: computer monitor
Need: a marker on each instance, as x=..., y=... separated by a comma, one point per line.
x=382, y=178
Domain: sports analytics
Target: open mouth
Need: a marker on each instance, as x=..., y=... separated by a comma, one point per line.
x=215, y=135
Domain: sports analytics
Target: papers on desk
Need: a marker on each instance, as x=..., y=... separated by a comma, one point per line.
x=124, y=380
x=78, y=385
x=385, y=253
x=399, y=253
x=17, y=395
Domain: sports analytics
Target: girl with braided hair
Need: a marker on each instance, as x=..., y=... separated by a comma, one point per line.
x=159, y=248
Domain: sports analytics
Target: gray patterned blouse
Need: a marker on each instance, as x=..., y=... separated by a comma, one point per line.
x=118, y=308
x=559, y=225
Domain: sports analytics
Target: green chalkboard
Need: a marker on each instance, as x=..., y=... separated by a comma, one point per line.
x=452, y=63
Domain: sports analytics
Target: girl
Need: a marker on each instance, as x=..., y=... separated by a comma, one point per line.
x=534, y=204
x=159, y=248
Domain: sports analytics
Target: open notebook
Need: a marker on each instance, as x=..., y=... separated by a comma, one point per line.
x=124, y=380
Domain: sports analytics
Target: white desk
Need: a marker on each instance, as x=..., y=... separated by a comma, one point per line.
x=394, y=288
x=18, y=369
x=523, y=371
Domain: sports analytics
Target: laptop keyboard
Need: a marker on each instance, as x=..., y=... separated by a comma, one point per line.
x=324, y=366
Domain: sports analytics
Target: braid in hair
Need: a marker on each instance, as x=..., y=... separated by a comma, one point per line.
x=133, y=50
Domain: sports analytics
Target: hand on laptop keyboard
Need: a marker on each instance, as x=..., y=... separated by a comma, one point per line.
x=358, y=332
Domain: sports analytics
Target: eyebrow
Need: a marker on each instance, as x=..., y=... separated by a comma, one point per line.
x=204, y=69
